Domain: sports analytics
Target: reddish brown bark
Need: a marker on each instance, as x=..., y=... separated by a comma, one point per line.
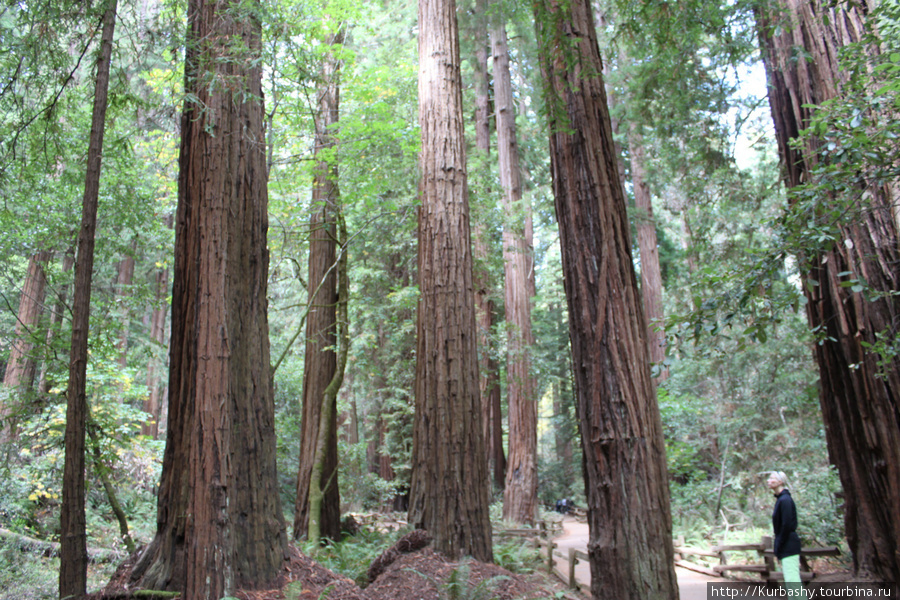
x=449, y=489
x=321, y=325
x=651, y=276
x=630, y=547
x=219, y=521
x=73, y=535
x=858, y=391
x=489, y=384
x=21, y=366
x=155, y=397
x=520, y=491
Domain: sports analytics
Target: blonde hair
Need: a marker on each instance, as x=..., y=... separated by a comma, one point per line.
x=780, y=476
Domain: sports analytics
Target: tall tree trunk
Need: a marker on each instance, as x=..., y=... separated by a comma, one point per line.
x=21, y=366
x=563, y=433
x=20, y=369
x=321, y=481
x=520, y=491
x=155, y=397
x=219, y=520
x=320, y=364
x=124, y=279
x=651, y=277
x=630, y=547
x=73, y=535
x=489, y=384
x=858, y=391
x=449, y=491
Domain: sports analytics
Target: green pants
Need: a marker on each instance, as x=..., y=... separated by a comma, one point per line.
x=790, y=566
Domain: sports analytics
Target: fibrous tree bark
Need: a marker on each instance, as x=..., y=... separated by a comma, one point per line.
x=21, y=366
x=859, y=388
x=73, y=535
x=520, y=490
x=485, y=309
x=630, y=546
x=219, y=522
x=648, y=247
x=153, y=404
x=449, y=489
x=320, y=481
x=320, y=364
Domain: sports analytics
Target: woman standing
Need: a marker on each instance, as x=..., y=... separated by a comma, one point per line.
x=784, y=523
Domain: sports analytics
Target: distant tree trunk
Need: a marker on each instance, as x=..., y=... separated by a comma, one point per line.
x=320, y=480
x=73, y=535
x=858, y=392
x=449, y=491
x=489, y=384
x=562, y=397
x=45, y=380
x=20, y=369
x=687, y=237
x=651, y=277
x=320, y=364
x=153, y=403
x=630, y=547
x=520, y=491
x=21, y=366
x=124, y=279
x=219, y=520
x=353, y=420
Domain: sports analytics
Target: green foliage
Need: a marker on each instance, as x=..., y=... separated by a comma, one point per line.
x=459, y=585
x=362, y=490
x=729, y=418
x=513, y=555
x=25, y=575
x=352, y=556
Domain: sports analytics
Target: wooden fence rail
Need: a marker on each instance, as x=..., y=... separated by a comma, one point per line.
x=766, y=569
x=537, y=537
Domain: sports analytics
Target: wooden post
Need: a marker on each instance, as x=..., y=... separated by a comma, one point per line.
x=767, y=544
x=572, y=560
x=679, y=543
x=550, y=546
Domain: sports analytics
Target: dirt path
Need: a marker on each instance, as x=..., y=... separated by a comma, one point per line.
x=691, y=585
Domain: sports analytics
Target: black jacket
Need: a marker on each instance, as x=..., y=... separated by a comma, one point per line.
x=784, y=522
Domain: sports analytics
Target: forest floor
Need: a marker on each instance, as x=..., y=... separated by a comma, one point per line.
x=407, y=571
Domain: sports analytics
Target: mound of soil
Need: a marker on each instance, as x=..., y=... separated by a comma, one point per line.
x=426, y=575
x=420, y=574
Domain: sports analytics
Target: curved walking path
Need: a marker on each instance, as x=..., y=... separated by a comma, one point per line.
x=691, y=585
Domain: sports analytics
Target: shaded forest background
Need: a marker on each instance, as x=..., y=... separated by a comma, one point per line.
x=737, y=379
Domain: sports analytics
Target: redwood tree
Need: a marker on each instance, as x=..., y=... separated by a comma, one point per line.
x=630, y=547
x=651, y=276
x=859, y=388
x=320, y=362
x=520, y=490
x=21, y=366
x=485, y=308
x=449, y=489
x=73, y=532
x=219, y=520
